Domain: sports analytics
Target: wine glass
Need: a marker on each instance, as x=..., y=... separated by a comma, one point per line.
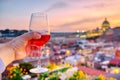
x=39, y=23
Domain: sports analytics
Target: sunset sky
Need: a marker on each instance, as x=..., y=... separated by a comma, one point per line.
x=64, y=15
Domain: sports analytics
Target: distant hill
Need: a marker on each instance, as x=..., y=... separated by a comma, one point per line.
x=112, y=34
x=8, y=34
x=4, y=40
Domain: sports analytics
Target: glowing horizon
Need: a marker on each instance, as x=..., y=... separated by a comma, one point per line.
x=64, y=15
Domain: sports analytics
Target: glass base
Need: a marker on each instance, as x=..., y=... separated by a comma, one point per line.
x=38, y=70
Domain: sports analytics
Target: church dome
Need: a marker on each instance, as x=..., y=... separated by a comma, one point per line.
x=105, y=25
x=105, y=22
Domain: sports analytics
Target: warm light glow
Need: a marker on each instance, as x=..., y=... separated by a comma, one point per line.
x=68, y=52
x=78, y=31
x=48, y=51
x=116, y=70
x=67, y=15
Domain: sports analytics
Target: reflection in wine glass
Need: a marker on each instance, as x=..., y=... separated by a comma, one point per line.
x=36, y=51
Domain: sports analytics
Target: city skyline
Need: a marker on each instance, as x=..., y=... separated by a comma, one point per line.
x=64, y=15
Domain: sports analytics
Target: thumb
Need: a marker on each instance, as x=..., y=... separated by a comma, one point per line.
x=30, y=35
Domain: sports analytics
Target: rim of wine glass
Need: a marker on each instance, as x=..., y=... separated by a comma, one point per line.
x=38, y=14
x=42, y=31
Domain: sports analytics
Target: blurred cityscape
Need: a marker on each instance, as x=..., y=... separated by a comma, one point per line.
x=95, y=52
x=83, y=44
x=104, y=32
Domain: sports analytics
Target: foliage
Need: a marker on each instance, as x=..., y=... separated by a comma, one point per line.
x=15, y=73
x=54, y=76
x=63, y=69
x=67, y=73
x=60, y=70
x=53, y=66
x=71, y=78
x=97, y=78
x=26, y=67
x=102, y=77
x=78, y=75
x=83, y=64
x=43, y=76
x=33, y=75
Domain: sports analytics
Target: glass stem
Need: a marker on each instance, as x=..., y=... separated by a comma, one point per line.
x=39, y=60
x=39, y=63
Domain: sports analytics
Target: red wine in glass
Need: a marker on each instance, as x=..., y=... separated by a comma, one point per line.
x=40, y=42
x=35, y=44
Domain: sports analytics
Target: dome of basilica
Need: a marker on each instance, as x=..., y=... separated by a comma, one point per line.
x=106, y=22
x=105, y=25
